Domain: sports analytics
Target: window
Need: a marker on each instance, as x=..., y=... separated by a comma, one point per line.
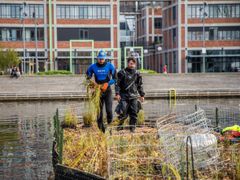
x=174, y=12
x=84, y=34
x=108, y=14
x=4, y=34
x=122, y=26
x=103, y=13
x=40, y=34
x=85, y=15
x=67, y=12
x=18, y=35
x=13, y=12
x=81, y=12
x=94, y=12
x=174, y=35
x=189, y=11
x=90, y=12
x=72, y=12
x=237, y=10
x=99, y=12
x=158, y=39
x=158, y=23
x=198, y=11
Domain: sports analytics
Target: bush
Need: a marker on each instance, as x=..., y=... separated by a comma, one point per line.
x=140, y=117
x=8, y=59
x=145, y=71
x=49, y=73
x=70, y=120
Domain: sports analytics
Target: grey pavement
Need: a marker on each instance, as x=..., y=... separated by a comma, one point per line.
x=154, y=85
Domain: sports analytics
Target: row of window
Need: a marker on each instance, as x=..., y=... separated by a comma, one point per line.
x=214, y=11
x=215, y=52
x=20, y=11
x=17, y=34
x=213, y=35
x=83, y=12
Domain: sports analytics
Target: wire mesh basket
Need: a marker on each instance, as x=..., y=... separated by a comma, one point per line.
x=134, y=155
x=178, y=131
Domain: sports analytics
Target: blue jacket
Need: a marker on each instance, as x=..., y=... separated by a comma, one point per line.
x=104, y=73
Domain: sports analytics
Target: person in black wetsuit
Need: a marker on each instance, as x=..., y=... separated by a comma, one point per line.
x=128, y=87
x=105, y=75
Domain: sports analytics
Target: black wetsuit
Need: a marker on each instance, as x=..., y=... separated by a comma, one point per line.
x=129, y=85
x=104, y=73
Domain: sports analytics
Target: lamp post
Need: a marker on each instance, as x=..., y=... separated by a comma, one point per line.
x=36, y=40
x=204, y=14
x=22, y=18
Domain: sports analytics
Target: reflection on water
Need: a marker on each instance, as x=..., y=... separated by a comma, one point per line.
x=25, y=139
x=26, y=133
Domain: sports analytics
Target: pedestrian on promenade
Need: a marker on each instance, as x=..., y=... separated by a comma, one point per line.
x=105, y=76
x=165, y=69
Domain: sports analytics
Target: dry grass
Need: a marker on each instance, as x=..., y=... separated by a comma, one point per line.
x=85, y=149
x=92, y=104
x=135, y=156
x=229, y=164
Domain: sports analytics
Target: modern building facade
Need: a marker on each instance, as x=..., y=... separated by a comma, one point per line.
x=128, y=12
x=201, y=36
x=52, y=27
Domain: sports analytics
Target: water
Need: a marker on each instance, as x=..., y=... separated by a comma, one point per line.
x=26, y=133
x=26, y=139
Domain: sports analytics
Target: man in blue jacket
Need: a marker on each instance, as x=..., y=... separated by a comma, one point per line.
x=105, y=75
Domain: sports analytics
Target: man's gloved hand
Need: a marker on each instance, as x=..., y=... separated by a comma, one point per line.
x=104, y=87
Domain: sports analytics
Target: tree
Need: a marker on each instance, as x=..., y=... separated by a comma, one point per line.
x=8, y=59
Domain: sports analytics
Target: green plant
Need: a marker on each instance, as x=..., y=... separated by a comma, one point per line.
x=70, y=119
x=8, y=59
x=146, y=71
x=88, y=118
x=49, y=73
x=141, y=117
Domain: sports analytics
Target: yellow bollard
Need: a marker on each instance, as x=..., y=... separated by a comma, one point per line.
x=172, y=93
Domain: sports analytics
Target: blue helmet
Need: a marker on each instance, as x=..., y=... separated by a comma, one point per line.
x=102, y=54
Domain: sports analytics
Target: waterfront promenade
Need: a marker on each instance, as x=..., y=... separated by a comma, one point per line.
x=156, y=86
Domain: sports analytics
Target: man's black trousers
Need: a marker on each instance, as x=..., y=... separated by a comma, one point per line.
x=106, y=99
x=129, y=107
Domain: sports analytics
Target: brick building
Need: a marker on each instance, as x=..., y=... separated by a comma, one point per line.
x=149, y=33
x=49, y=25
x=204, y=37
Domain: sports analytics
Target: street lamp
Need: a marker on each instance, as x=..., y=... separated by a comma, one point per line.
x=159, y=48
x=23, y=15
x=204, y=51
x=36, y=40
x=145, y=51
